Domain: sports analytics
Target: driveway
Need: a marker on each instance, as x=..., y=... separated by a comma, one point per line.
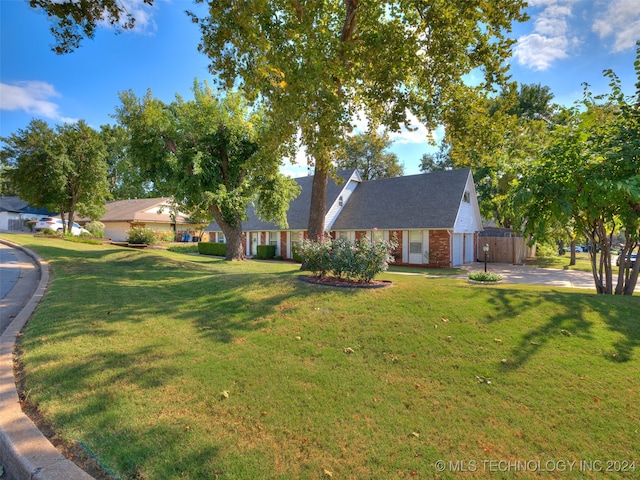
x=536, y=275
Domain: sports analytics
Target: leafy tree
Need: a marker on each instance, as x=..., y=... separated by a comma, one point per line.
x=125, y=180
x=316, y=64
x=213, y=153
x=60, y=170
x=436, y=162
x=74, y=20
x=498, y=137
x=366, y=152
x=589, y=177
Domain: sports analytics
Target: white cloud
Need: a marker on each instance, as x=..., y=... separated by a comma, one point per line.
x=621, y=20
x=32, y=97
x=551, y=37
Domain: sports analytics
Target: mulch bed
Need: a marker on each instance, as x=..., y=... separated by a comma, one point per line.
x=343, y=283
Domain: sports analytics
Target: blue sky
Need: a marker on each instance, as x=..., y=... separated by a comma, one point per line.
x=563, y=45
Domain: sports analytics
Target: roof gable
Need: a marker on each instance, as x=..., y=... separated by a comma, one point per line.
x=428, y=200
x=140, y=210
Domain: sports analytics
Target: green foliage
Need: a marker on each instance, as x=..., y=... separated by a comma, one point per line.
x=215, y=153
x=141, y=235
x=62, y=170
x=368, y=153
x=588, y=177
x=317, y=65
x=212, y=248
x=189, y=248
x=165, y=235
x=265, y=251
x=485, y=277
x=361, y=260
x=96, y=228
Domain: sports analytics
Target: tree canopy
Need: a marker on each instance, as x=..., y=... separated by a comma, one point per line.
x=589, y=176
x=62, y=170
x=74, y=20
x=215, y=155
x=368, y=153
x=318, y=64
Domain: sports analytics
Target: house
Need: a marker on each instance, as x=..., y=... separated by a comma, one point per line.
x=16, y=213
x=434, y=217
x=152, y=213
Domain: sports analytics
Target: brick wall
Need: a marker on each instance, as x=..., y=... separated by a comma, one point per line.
x=439, y=249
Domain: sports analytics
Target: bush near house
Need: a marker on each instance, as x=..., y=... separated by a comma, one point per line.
x=141, y=235
x=264, y=252
x=95, y=228
x=361, y=260
x=212, y=248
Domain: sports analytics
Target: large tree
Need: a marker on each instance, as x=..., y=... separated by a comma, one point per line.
x=589, y=177
x=368, y=153
x=498, y=138
x=215, y=154
x=61, y=170
x=318, y=64
x=72, y=20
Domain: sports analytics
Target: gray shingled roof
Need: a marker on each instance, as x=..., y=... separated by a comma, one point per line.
x=428, y=200
x=298, y=214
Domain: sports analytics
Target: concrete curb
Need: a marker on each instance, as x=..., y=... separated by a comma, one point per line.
x=25, y=453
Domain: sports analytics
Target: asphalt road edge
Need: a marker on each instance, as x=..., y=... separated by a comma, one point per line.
x=25, y=453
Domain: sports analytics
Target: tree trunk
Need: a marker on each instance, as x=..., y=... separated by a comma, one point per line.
x=572, y=261
x=233, y=235
x=235, y=248
x=318, y=209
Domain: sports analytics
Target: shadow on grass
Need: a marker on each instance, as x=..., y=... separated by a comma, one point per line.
x=568, y=315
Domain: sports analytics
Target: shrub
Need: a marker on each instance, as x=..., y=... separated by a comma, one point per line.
x=265, y=251
x=188, y=248
x=141, y=235
x=165, y=236
x=95, y=228
x=361, y=260
x=485, y=277
x=212, y=248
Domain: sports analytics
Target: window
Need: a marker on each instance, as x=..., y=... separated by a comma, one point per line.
x=273, y=238
x=340, y=201
x=466, y=198
x=415, y=241
x=221, y=238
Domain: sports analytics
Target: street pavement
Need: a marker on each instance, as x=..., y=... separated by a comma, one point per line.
x=19, y=277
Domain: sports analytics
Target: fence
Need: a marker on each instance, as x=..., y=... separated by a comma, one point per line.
x=504, y=249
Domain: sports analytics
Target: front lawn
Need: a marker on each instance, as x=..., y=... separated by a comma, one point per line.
x=172, y=366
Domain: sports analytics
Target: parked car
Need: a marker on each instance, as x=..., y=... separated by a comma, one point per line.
x=631, y=260
x=55, y=224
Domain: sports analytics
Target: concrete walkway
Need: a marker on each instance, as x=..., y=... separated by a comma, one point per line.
x=25, y=453
x=536, y=275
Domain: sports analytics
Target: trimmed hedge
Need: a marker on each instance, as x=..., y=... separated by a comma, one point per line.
x=212, y=248
x=265, y=251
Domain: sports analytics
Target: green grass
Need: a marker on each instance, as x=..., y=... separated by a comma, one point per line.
x=172, y=366
x=562, y=262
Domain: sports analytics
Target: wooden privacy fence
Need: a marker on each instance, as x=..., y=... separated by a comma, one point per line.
x=504, y=249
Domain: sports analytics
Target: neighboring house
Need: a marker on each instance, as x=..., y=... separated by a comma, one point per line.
x=151, y=213
x=15, y=213
x=433, y=216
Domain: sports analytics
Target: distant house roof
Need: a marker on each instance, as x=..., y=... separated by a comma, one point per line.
x=416, y=201
x=141, y=210
x=16, y=205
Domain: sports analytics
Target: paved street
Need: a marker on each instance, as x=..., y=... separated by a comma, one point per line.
x=19, y=277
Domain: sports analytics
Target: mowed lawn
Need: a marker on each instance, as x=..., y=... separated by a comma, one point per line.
x=174, y=366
